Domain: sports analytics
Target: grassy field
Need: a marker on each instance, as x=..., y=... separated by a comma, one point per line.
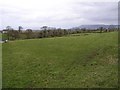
x=76, y=61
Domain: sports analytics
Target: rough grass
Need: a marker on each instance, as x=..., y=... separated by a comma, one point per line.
x=75, y=61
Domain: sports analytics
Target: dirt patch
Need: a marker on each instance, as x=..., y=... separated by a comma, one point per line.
x=111, y=60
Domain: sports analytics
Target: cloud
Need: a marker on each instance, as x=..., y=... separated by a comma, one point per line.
x=102, y=12
x=56, y=13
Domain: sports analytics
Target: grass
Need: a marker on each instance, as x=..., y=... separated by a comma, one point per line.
x=4, y=36
x=0, y=35
x=78, y=61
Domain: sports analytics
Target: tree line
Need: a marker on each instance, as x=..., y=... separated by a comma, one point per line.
x=12, y=34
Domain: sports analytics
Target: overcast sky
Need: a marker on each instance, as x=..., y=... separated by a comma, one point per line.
x=56, y=13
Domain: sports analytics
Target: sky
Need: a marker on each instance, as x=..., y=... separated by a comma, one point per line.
x=57, y=13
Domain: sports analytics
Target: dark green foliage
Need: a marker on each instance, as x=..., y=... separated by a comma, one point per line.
x=46, y=33
x=13, y=34
x=29, y=34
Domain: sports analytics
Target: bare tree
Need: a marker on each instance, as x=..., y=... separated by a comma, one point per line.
x=101, y=29
x=44, y=27
x=9, y=28
x=111, y=28
x=20, y=28
x=29, y=33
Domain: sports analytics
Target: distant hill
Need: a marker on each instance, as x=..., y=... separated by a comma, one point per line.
x=95, y=26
